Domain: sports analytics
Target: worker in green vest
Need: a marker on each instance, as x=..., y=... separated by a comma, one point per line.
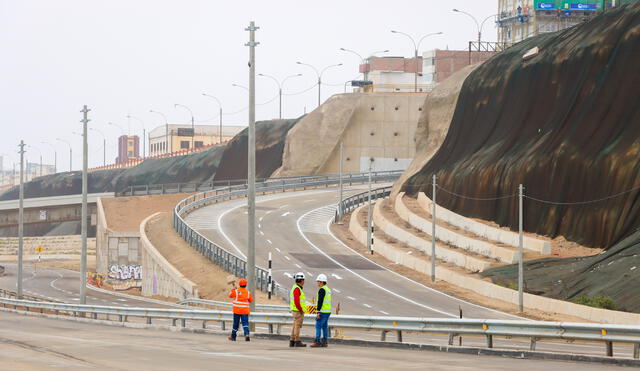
x=298, y=307
x=324, y=311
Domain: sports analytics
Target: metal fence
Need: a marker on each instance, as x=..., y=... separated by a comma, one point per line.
x=233, y=263
x=535, y=331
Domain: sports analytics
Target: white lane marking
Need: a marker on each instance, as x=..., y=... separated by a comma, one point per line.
x=278, y=250
x=261, y=218
x=286, y=257
x=287, y=213
x=367, y=305
x=259, y=225
x=53, y=283
x=414, y=282
x=336, y=290
x=298, y=265
x=268, y=212
x=362, y=277
x=283, y=206
x=309, y=200
x=222, y=232
x=269, y=241
x=311, y=274
x=261, y=233
x=351, y=298
x=288, y=274
x=336, y=276
x=383, y=312
x=121, y=300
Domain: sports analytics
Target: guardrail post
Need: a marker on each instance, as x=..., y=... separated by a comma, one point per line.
x=278, y=329
x=636, y=351
x=204, y=324
x=271, y=328
x=489, y=341
x=451, y=336
x=223, y=326
x=532, y=346
x=383, y=335
x=94, y=315
x=148, y=320
x=120, y=318
x=174, y=321
x=126, y=318
x=183, y=322
x=609, y=348
x=399, y=336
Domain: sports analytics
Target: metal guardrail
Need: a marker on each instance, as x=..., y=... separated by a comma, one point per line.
x=12, y=294
x=351, y=203
x=533, y=330
x=231, y=262
x=227, y=305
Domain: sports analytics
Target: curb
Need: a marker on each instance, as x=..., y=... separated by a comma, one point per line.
x=515, y=354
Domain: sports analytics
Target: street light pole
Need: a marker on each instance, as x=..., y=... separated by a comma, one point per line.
x=219, y=114
x=193, y=128
x=251, y=162
x=416, y=47
x=85, y=163
x=168, y=146
x=70, y=153
x=319, y=75
x=21, y=220
x=280, y=84
x=478, y=25
x=55, y=156
x=104, y=146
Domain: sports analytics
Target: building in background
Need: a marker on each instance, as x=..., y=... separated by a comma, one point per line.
x=521, y=19
x=438, y=64
x=128, y=148
x=179, y=137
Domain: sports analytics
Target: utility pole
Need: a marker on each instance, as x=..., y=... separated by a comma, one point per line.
x=83, y=257
x=251, y=163
x=369, y=219
x=340, y=211
x=433, y=231
x=520, y=252
x=21, y=220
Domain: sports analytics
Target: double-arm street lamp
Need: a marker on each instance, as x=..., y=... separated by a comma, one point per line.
x=364, y=61
x=219, y=113
x=70, y=152
x=144, y=134
x=169, y=146
x=479, y=25
x=319, y=75
x=280, y=84
x=55, y=156
x=416, y=47
x=193, y=126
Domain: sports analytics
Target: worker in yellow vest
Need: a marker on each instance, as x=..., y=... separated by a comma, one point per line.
x=298, y=307
x=324, y=311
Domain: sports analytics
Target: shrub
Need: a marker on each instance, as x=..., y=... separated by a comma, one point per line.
x=603, y=302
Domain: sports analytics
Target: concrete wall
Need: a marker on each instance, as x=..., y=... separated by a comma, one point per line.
x=452, y=238
x=159, y=277
x=442, y=252
x=55, y=245
x=489, y=289
x=114, y=248
x=371, y=125
x=495, y=234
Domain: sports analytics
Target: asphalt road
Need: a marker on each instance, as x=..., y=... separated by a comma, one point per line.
x=62, y=285
x=293, y=227
x=33, y=343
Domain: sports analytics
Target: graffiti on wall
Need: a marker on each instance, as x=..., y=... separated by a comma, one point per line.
x=124, y=277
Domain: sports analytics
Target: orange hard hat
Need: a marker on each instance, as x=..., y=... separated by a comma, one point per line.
x=242, y=282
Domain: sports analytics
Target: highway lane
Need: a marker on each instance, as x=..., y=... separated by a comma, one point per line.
x=294, y=228
x=33, y=343
x=63, y=285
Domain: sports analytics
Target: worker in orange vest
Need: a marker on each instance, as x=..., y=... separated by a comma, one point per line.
x=241, y=299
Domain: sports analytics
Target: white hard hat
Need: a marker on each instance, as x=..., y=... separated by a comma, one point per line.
x=322, y=278
x=298, y=276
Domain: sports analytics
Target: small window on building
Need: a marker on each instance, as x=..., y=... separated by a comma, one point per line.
x=199, y=144
x=130, y=154
x=184, y=144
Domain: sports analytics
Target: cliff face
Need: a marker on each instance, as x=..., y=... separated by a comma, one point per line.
x=565, y=123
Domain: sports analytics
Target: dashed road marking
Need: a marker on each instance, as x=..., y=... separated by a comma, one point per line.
x=351, y=298
x=269, y=241
x=367, y=305
x=286, y=257
x=336, y=276
x=287, y=213
x=383, y=312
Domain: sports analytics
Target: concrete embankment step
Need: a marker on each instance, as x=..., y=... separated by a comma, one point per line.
x=387, y=226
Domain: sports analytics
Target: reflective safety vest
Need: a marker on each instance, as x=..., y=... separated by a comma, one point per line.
x=292, y=302
x=242, y=298
x=326, y=302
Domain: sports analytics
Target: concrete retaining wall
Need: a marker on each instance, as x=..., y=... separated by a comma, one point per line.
x=481, y=229
x=455, y=257
x=452, y=238
x=159, y=277
x=114, y=248
x=489, y=289
x=53, y=245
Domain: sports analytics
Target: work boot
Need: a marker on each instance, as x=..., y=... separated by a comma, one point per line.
x=246, y=338
x=324, y=344
x=292, y=343
x=299, y=344
x=316, y=344
x=231, y=338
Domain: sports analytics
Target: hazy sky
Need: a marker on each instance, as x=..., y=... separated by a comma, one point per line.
x=129, y=56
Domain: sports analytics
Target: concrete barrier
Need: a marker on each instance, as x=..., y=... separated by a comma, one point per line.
x=458, y=258
x=491, y=233
x=453, y=238
x=488, y=289
x=159, y=277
